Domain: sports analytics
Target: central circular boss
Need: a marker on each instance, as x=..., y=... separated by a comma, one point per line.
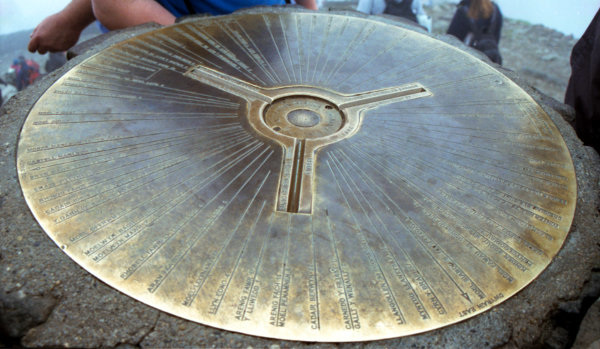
x=303, y=117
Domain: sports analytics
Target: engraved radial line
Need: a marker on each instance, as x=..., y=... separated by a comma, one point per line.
x=122, y=214
x=453, y=116
x=268, y=25
x=241, y=253
x=340, y=269
x=368, y=62
x=494, y=164
x=113, y=160
x=145, y=90
x=474, y=103
x=300, y=41
x=133, y=208
x=91, y=154
x=259, y=52
x=239, y=41
x=355, y=192
x=353, y=46
x=224, y=54
x=289, y=51
x=258, y=262
x=90, y=113
x=532, y=177
x=453, y=83
x=156, y=61
x=246, y=70
x=324, y=40
x=67, y=205
x=534, y=191
x=199, y=235
x=253, y=53
x=400, y=210
x=89, y=142
x=448, y=127
x=315, y=271
x=196, y=238
x=178, y=200
x=125, y=174
x=330, y=51
x=447, y=256
x=394, y=238
x=530, y=244
x=371, y=254
x=424, y=70
x=164, y=145
x=163, y=118
x=433, y=201
x=95, y=183
x=113, y=168
x=117, y=60
x=399, y=68
x=284, y=266
x=462, y=144
x=310, y=44
x=153, y=44
x=131, y=60
x=169, y=98
x=159, y=53
x=545, y=181
x=198, y=44
x=92, y=141
x=144, y=53
x=173, y=46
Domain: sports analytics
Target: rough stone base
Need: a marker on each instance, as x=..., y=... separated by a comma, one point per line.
x=47, y=300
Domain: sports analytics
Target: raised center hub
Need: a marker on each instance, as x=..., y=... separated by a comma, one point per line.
x=303, y=117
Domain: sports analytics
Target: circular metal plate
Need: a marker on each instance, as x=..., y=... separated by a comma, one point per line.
x=304, y=176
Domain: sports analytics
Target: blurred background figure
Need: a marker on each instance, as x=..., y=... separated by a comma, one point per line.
x=583, y=91
x=55, y=61
x=26, y=71
x=409, y=9
x=478, y=23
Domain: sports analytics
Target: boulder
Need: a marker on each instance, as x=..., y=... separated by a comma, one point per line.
x=47, y=300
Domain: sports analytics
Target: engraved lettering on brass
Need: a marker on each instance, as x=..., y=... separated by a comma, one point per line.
x=299, y=175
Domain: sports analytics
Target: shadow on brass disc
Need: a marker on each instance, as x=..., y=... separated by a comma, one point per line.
x=304, y=176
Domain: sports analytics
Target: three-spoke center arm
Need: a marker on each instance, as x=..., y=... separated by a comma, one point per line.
x=296, y=188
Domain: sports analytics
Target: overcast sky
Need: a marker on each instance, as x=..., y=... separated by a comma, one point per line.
x=567, y=16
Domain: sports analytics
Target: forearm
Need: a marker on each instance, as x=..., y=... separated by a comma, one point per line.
x=61, y=30
x=118, y=14
x=79, y=14
x=309, y=4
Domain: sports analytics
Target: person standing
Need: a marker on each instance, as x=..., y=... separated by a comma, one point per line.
x=409, y=9
x=478, y=23
x=583, y=90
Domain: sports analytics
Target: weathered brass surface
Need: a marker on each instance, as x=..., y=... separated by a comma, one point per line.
x=304, y=176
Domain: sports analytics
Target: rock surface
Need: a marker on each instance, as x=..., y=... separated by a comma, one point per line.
x=589, y=332
x=47, y=300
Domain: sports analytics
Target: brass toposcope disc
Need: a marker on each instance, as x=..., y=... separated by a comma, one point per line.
x=299, y=175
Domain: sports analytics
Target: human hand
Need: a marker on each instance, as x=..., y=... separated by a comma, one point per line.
x=54, y=33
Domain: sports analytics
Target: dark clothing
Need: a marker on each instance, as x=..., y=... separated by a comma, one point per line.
x=402, y=9
x=23, y=76
x=461, y=23
x=55, y=61
x=583, y=91
x=215, y=7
